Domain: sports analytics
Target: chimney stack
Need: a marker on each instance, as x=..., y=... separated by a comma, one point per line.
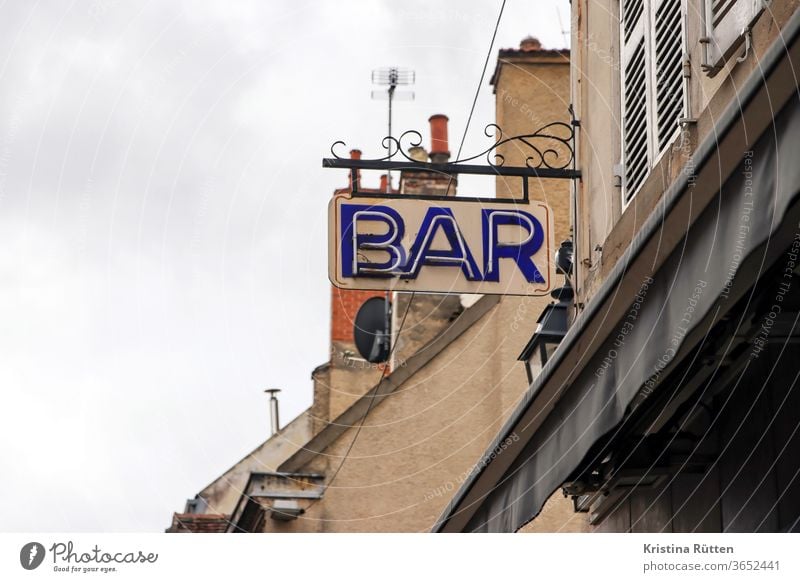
x=418, y=154
x=355, y=155
x=384, y=183
x=274, y=421
x=530, y=43
x=439, y=152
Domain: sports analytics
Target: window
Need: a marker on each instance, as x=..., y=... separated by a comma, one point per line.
x=653, y=100
x=727, y=26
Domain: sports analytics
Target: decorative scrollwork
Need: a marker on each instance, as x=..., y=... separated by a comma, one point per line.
x=393, y=145
x=550, y=147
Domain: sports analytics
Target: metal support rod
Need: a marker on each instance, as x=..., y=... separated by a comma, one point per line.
x=274, y=420
x=392, y=87
x=453, y=169
x=574, y=192
x=387, y=322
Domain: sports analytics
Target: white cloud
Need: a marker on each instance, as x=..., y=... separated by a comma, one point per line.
x=162, y=224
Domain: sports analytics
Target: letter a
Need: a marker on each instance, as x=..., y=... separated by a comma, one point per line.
x=458, y=255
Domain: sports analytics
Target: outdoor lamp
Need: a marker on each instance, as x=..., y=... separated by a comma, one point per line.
x=553, y=322
x=564, y=258
x=551, y=329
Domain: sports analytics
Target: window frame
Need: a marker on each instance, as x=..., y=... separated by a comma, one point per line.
x=627, y=50
x=722, y=41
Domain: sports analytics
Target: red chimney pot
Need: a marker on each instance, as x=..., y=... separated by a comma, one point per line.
x=354, y=155
x=439, y=136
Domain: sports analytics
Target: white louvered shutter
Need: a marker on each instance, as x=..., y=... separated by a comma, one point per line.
x=726, y=24
x=667, y=43
x=653, y=95
x=635, y=97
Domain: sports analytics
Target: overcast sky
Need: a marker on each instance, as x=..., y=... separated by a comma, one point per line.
x=162, y=224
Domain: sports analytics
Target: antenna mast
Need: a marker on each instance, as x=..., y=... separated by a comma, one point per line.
x=392, y=77
x=564, y=31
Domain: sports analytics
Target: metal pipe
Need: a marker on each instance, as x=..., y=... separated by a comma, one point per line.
x=274, y=420
x=392, y=87
x=452, y=168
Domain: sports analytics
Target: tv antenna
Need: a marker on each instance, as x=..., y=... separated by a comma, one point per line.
x=564, y=31
x=392, y=77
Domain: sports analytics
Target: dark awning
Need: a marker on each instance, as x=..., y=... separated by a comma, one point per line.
x=626, y=338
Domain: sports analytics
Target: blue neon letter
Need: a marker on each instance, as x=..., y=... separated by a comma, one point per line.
x=494, y=250
x=353, y=242
x=458, y=255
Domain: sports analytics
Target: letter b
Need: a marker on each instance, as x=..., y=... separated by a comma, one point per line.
x=354, y=243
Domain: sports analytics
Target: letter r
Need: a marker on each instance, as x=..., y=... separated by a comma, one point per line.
x=494, y=249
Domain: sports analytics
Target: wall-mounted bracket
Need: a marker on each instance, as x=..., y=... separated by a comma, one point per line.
x=549, y=154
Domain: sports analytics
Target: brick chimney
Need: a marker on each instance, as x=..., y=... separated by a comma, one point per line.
x=530, y=43
x=345, y=303
x=418, y=153
x=440, y=154
x=345, y=377
x=415, y=181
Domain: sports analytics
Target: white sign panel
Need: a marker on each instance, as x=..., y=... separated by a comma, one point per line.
x=446, y=245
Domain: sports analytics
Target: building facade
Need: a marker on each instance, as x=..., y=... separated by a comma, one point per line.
x=384, y=448
x=672, y=402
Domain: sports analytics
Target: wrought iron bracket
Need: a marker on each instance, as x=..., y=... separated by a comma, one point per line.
x=549, y=154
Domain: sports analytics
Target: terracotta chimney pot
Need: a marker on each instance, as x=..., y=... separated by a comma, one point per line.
x=439, y=148
x=354, y=155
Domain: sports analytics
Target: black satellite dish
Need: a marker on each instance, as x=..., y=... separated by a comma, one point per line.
x=371, y=330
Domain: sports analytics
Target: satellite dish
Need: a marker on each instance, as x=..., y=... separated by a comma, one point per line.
x=371, y=330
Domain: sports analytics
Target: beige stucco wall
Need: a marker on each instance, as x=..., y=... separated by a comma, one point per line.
x=606, y=229
x=596, y=76
x=406, y=461
x=417, y=446
x=533, y=91
x=426, y=316
x=223, y=494
x=348, y=378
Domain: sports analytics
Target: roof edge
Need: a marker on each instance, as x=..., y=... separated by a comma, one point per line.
x=296, y=419
x=356, y=412
x=756, y=80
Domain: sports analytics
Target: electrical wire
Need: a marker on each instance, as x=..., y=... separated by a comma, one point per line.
x=374, y=396
x=411, y=299
x=478, y=88
x=483, y=76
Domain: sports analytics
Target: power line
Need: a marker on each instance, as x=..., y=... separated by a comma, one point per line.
x=478, y=88
x=483, y=75
x=374, y=396
x=411, y=299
